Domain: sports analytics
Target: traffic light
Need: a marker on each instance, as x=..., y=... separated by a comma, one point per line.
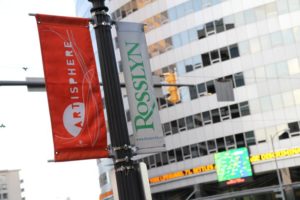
x=173, y=96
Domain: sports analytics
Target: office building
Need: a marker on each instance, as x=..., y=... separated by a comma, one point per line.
x=10, y=185
x=253, y=44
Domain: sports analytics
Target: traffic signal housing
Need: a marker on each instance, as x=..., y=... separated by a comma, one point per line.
x=173, y=96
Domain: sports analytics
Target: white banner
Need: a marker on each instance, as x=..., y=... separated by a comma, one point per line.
x=144, y=113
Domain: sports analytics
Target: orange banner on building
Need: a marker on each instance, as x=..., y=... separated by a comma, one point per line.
x=73, y=90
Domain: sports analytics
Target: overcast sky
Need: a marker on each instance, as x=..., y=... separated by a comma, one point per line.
x=26, y=141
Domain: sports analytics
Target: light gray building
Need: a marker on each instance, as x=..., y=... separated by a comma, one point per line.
x=10, y=185
x=256, y=45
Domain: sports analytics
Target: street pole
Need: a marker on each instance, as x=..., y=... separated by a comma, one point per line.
x=127, y=176
x=277, y=168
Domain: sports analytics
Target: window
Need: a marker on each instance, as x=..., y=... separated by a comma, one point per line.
x=234, y=110
x=181, y=124
x=197, y=62
x=224, y=113
x=211, y=144
x=205, y=59
x=210, y=87
x=244, y=106
x=146, y=161
x=219, y=25
x=158, y=160
x=5, y=196
x=152, y=161
x=174, y=126
x=215, y=115
x=167, y=129
x=221, y=144
x=171, y=156
x=190, y=122
x=215, y=57
x=203, y=148
x=229, y=22
x=230, y=142
x=186, y=152
x=179, y=156
x=250, y=138
x=197, y=120
x=201, y=33
x=206, y=117
x=240, y=142
x=201, y=89
x=193, y=92
x=224, y=53
x=234, y=51
x=294, y=128
x=210, y=28
x=164, y=156
x=239, y=79
x=195, y=151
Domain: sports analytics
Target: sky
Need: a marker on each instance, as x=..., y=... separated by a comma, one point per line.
x=26, y=141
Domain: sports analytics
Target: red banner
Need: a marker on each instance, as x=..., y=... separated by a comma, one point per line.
x=73, y=89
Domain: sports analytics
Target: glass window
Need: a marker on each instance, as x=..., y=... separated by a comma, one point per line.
x=197, y=62
x=158, y=160
x=244, y=47
x=234, y=110
x=180, y=11
x=201, y=32
x=174, y=126
x=282, y=68
x=234, y=51
x=193, y=92
x=244, y=106
x=201, y=89
x=221, y=144
x=219, y=25
x=249, y=16
x=294, y=127
x=197, y=120
x=179, y=156
x=206, y=117
x=224, y=53
x=193, y=34
x=293, y=66
x=282, y=6
x=210, y=87
x=205, y=59
x=239, y=79
x=215, y=116
x=277, y=101
x=184, y=37
x=230, y=142
x=276, y=39
x=254, y=45
x=210, y=28
x=250, y=138
x=167, y=129
x=229, y=22
x=239, y=19
x=195, y=151
x=186, y=152
x=189, y=65
x=190, y=122
x=171, y=156
x=265, y=42
x=188, y=7
x=181, y=124
x=224, y=113
x=271, y=71
x=288, y=37
x=152, y=161
x=240, y=142
x=164, y=156
x=260, y=13
x=271, y=9
x=203, y=148
x=288, y=99
x=176, y=41
x=296, y=31
x=297, y=96
x=294, y=5
x=214, y=56
x=196, y=5
x=266, y=104
x=211, y=145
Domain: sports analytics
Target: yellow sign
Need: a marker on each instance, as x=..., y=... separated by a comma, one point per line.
x=272, y=155
x=196, y=170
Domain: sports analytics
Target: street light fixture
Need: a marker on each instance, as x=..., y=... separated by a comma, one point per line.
x=276, y=164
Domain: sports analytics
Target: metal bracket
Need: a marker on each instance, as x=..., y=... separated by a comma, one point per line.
x=119, y=160
x=125, y=147
x=127, y=168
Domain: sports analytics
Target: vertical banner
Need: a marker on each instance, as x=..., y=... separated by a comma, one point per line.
x=138, y=79
x=73, y=90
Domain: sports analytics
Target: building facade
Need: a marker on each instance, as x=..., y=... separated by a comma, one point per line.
x=10, y=185
x=254, y=44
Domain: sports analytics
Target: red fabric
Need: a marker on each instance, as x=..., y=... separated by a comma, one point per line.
x=73, y=90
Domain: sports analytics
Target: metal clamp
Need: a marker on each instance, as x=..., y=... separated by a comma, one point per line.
x=125, y=147
x=125, y=159
x=123, y=168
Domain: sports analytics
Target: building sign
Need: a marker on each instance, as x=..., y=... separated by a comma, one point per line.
x=277, y=154
x=178, y=174
x=147, y=129
x=233, y=164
